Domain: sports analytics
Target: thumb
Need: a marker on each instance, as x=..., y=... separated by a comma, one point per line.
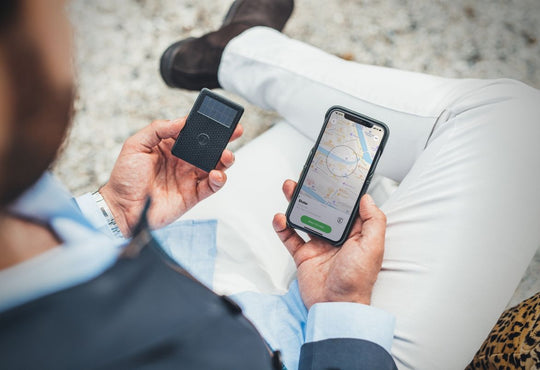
x=154, y=133
x=373, y=219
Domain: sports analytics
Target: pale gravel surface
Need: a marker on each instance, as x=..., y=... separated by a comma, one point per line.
x=119, y=44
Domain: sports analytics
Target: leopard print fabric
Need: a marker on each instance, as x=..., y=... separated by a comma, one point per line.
x=514, y=342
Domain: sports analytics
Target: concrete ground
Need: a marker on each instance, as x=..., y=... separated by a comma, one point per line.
x=118, y=45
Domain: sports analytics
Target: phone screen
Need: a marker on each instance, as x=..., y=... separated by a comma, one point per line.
x=336, y=175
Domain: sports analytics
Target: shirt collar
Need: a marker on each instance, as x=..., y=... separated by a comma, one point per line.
x=84, y=254
x=49, y=202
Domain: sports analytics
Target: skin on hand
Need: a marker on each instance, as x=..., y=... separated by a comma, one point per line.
x=330, y=274
x=146, y=167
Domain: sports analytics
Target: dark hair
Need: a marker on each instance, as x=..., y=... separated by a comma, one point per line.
x=8, y=12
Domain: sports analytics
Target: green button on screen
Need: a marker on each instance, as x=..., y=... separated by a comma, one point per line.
x=315, y=224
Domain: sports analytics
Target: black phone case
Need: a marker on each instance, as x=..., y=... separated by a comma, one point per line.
x=364, y=187
x=202, y=140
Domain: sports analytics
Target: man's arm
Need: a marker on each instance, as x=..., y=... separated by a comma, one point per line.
x=146, y=167
x=96, y=211
x=343, y=331
x=345, y=354
x=347, y=335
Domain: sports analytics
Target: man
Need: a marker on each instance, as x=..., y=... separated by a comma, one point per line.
x=462, y=225
x=73, y=297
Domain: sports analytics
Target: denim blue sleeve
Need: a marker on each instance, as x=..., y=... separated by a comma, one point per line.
x=350, y=320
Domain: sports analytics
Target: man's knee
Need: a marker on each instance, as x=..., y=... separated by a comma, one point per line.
x=497, y=100
x=517, y=90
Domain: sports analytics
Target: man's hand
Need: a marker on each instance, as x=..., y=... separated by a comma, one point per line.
x=146, y=167
x=330, y=274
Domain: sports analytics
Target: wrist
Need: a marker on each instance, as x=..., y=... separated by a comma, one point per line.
x=310, y=301
x=363, y=301
x=351, y=299
x=361, y=296
x=350, y=320
x=116, y=214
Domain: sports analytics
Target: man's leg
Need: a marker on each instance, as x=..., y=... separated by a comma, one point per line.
x=463, y=225
x=301, y=82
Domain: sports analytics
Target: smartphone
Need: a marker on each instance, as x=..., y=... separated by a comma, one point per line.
x=208, y=129
x=336, y=175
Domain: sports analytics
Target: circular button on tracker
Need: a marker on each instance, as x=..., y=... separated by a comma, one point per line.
x=203, y=139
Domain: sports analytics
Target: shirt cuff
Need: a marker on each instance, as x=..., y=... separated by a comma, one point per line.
x=93, y=214
x=350, y=320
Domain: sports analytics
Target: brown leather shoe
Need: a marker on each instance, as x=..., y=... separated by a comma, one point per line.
x=193, y=63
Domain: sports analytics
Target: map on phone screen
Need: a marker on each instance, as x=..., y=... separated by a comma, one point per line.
x=336, y=176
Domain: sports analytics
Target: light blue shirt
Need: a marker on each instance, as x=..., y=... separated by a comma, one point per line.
x=89, y=249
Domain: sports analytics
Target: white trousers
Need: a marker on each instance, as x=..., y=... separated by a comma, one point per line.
x=463, y=224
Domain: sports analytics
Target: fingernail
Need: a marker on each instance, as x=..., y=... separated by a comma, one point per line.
x=369, y=199
x=276, y=224
x=177, y=121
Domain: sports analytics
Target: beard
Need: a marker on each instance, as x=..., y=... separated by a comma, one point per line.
x=41, y=115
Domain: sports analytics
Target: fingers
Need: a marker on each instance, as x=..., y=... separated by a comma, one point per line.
x=288, y=189
x=227, y=157
x=292, y=241
x=238, y=131
x=211, y=184
x=226, y=161
x=154, y=133
x=356, y=227
x=373, y=219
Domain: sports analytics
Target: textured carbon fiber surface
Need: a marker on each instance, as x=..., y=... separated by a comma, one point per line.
x=202, y=140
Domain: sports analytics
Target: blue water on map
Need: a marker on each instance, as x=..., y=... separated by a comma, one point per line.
x=333, y=156
x=316, y=196
x=366, y=155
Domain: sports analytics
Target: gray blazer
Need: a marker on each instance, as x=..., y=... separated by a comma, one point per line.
x=146, y=312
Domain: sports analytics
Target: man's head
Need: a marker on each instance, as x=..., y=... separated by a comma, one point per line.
x=36, y=93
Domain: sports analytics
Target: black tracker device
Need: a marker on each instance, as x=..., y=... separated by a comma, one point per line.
x=208, y=129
